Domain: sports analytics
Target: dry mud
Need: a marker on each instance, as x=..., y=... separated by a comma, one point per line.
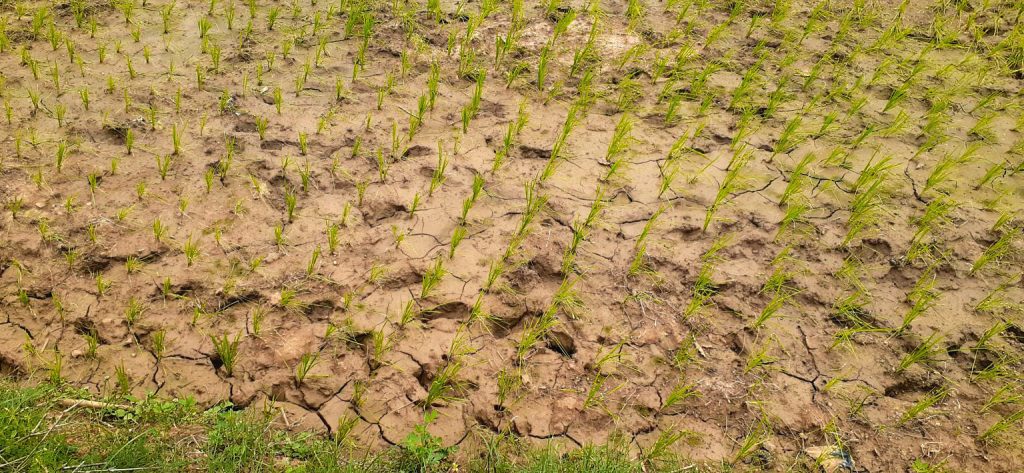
x=803, y=338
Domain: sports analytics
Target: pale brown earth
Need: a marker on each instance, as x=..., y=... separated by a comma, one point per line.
x=630, y=330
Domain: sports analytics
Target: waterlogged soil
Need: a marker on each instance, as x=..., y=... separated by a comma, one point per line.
x=769, y=335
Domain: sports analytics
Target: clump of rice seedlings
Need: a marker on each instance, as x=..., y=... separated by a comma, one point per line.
x=928, y=351
x=851, y=313
x=122, y=379
x=226, y=351
x=158, y=344
x=581, y=230
x=731, y=183
x=163, y=166
x=307, y=362
x=770, y=310
x=333, y=239
x=994, y=172
x=433, y=79
x=944, y=169
x=383, y=165
x=129, y=140
x=471, y=109
x=290, y=302
x=458, y=234
x=985, y=340
x=998, y=251
x=134, y=311
x=870, y=199
x=927, y=402
x=597, y=395
x=567, y=299
x=572, y=119
x=313, y=258
x=760, y=358
x=279, y=238
x=542, y=66
x=1005, y=423
x=290, y=201
x=668, y=171
x=638, y=265
x=510, y=383
x=445, y=387
x=381, y=345
x=469, y=202
x=704, y=288
x=303, y=143
x=922, y=298
x=534, y=332
x=1007, y=394
x=511, y=134
x=936, y=214
x=798, y=178
x=432, y=277
x=190, y=249
x=414, y=205
x=758, y=434
x=603, y=362
x=790, y=137
x=679, y=394
x=995, y=301
x=261, y=127
x=408, y=314
x=780, y=280
x=621, y=138
x=438, y=176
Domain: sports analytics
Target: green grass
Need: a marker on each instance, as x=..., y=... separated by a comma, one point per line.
x=39, y=434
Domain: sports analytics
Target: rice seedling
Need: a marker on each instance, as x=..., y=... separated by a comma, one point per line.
x=731, y=183
x=1005, y=423
x=704, y=288
x=307, y=362
x=936, y=214
x=928, y=351
x=621, y=138
x=122, y=379
x=927, y=402
x=333, y=238
x=945, y=168
x=311, y=264
x=997, y=251
x=381, y=346
x=797, y=178
x=290, y=202
x=759, y=358
x=867, y=205
x=190, y=249
x=679, y=394
x=102, y=285
x=226, y=352
x=923, y=297
x=996, y=301
x=438, y=177
x=638, y=265
x=445, y=387
x=432, y=277
x=984, y=341
x=748, y=445
x=778, y=301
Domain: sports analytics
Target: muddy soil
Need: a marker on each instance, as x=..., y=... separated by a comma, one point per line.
x=735, y=224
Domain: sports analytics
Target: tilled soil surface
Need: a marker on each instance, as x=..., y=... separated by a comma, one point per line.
x=787, y=231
